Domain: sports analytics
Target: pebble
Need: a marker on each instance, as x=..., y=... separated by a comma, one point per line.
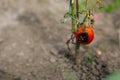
x=53, y=60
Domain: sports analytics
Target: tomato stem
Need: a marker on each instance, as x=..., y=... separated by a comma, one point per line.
x=72, y=5
x=77, y=46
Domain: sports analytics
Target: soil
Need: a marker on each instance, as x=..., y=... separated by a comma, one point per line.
x=33, y=43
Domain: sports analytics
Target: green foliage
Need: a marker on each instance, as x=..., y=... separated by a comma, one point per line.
x=113, y=76
x=112, y=7
x=90, y=58
x=107, y=8
x=82, y=5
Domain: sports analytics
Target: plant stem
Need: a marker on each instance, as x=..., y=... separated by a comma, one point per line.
x=77, y=10
x=86, y=4
x=72, y=4
x=77, y=52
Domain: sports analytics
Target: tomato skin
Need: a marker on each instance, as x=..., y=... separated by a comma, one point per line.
x=87, y=36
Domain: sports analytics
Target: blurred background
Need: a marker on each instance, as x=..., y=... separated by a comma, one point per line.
x=33, y=40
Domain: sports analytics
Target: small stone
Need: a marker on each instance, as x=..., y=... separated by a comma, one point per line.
x=52, y=60
x=14, y=45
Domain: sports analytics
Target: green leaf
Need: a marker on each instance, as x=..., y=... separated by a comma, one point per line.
x=112, y=7
x=90, y=58
x=113, y=76
x=82, y=5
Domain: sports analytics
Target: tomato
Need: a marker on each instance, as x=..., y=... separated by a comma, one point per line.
x=84, y=37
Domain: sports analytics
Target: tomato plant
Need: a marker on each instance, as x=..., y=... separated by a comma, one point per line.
x=82, y=20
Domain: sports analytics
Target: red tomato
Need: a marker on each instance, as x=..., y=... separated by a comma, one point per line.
x=84, y=37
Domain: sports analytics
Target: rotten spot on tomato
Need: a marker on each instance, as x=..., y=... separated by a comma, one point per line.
x=83, y=37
